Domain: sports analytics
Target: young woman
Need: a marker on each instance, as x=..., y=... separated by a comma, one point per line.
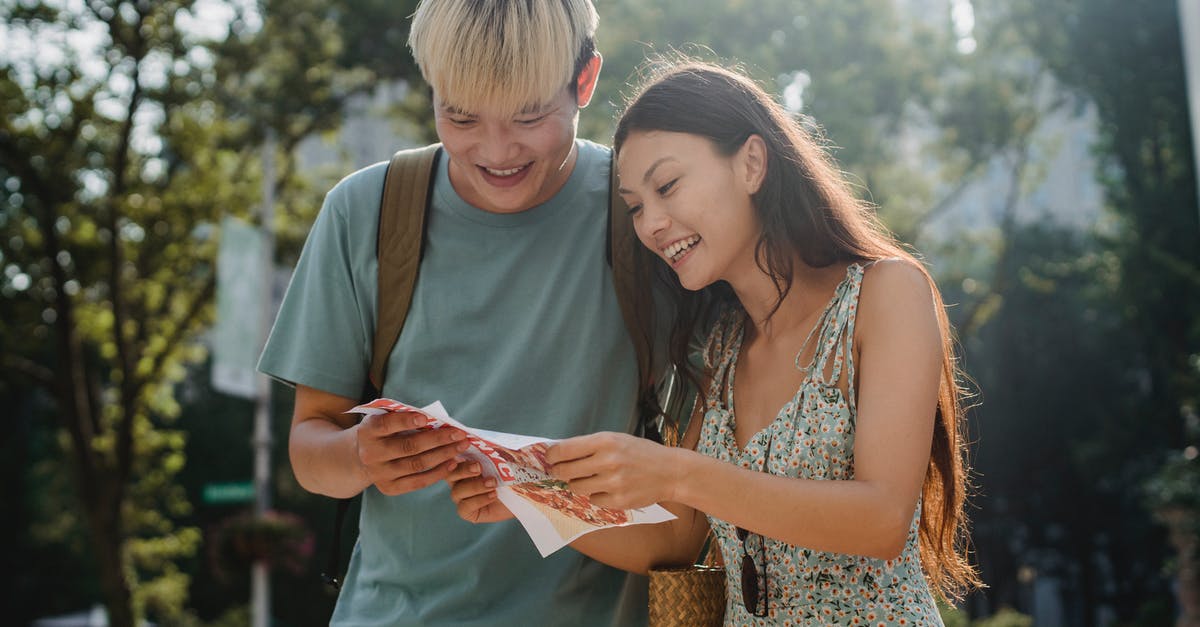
x=828, y=455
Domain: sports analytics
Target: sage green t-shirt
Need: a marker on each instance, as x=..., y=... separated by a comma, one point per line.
x=514, y=326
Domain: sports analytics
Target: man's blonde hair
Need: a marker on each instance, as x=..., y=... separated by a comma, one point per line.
x=506, y=55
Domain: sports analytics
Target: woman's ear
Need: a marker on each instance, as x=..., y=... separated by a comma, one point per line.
x=752, y=162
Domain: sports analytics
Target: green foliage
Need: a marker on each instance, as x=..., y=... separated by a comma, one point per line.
x=1006, y=617
x=1084, y=365
x=116, y=167
x=861, y=70
x=119, y=153
x=952, y=616
x=1176, y=485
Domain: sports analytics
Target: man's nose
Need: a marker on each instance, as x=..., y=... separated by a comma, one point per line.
x=499, y=145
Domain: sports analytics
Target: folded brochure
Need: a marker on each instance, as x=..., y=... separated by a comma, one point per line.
x=550, y=512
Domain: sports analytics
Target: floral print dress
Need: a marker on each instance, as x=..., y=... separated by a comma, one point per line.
x=812, y=437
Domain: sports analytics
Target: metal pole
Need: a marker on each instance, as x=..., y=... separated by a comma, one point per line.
x=260, y=582
x=1189, y=24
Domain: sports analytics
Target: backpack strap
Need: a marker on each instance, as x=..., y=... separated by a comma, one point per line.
x=402, y=213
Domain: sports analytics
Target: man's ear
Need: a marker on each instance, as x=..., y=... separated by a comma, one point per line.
x=585, y=86
x=752, y=159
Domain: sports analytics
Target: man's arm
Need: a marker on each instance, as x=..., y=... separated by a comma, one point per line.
x=334, y=454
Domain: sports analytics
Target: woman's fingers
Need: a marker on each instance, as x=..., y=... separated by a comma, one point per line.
x=567, y=450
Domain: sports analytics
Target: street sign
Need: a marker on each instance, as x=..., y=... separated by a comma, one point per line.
x=229, y=492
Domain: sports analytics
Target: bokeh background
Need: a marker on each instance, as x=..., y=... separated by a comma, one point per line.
x=1037, y=152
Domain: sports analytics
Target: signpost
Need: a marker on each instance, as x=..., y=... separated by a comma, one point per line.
x=228, y=493
x=245, y=283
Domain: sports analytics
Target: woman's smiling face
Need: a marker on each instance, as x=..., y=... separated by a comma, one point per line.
x=691, y=205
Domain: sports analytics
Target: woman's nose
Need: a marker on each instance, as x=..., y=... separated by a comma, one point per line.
x=656, y=219
x=650, y=222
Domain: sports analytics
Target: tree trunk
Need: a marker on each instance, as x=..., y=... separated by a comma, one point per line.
x=102, y=505
x=1182, y=525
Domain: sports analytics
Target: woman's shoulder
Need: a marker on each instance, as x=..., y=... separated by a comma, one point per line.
x=895, y=287
x=895, y=272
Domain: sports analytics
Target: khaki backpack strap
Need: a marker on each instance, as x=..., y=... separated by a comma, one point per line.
x=401, y=235
x=631, y=280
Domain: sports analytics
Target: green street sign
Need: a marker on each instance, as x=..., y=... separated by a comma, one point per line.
x=231, y=492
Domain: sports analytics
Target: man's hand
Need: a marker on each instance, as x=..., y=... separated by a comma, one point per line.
x=335, y=454
x=399, y=454
x=475, y=495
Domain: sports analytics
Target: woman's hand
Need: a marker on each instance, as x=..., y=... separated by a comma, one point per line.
x=617, y=470
x=475, y=495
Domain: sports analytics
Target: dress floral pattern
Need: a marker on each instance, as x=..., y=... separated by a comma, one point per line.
x=812, y=437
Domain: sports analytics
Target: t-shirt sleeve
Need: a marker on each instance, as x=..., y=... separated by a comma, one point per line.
x=319, y=336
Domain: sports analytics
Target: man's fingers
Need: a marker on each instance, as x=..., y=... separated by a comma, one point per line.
x=381, y=425
x=417, y=481
x=464, y=471
x=471, y=509
x=402, y=445
x=469, y=488
x=416, y=464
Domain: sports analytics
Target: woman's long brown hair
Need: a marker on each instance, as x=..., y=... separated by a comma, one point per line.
x=807, y=210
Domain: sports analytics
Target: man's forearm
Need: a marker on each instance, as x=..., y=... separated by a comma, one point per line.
x=325, y=458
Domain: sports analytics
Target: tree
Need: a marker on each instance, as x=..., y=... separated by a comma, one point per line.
x=104, y=287
x=859, y=71
x=1063, y=476
x=128, y=134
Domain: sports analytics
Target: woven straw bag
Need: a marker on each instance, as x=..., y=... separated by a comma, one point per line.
x=691, y=596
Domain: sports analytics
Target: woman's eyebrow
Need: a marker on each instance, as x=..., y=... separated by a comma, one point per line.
x=654, y=166
x=649, y=173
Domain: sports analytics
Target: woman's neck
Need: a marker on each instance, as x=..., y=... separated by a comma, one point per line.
x=808, y=293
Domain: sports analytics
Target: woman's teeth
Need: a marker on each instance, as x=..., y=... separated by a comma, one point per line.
x=676, y=250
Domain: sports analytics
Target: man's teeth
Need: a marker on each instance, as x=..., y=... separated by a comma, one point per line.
x=676, y=250
x=508, y=172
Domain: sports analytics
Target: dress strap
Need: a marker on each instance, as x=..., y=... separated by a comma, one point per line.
x=836, y=330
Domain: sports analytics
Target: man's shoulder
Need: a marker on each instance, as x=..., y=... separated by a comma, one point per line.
x=360, y=185
x=596, y=155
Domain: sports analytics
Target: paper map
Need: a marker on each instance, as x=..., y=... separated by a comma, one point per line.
x=551, y=514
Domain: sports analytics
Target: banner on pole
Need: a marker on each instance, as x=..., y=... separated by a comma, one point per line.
x=241, y=288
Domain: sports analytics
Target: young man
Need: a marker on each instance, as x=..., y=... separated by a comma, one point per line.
x=514, y=326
